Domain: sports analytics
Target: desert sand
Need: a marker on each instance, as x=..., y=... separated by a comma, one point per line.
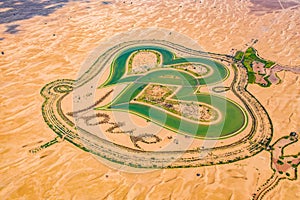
x=52, y=42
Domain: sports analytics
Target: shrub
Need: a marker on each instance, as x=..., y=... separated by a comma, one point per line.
x=288, y=174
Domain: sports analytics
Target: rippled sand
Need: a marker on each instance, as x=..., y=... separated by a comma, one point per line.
x=42, y=48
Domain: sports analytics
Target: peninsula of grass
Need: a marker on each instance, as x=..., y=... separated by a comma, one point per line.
x=251, y=56
x=247, y=58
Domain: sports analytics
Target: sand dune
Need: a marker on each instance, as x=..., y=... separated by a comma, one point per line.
x=37, y=49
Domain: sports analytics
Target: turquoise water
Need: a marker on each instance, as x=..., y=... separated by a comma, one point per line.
x=233, y=118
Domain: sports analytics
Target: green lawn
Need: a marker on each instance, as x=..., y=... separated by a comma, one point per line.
x=250, y=55
x=239, y=55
